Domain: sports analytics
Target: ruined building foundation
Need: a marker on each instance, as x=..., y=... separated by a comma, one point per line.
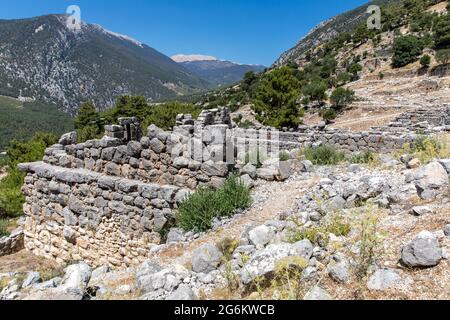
x=109, y=201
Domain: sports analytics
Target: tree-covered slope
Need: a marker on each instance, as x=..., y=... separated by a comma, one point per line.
x=21, y=120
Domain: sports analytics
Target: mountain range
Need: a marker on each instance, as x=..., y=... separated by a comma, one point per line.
x=43, y=59
x=217, y=72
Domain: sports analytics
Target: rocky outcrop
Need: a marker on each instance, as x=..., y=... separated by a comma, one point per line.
x=12, y=243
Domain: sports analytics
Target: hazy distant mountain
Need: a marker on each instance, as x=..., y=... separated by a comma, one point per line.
x=215, y=71
x=50, y=62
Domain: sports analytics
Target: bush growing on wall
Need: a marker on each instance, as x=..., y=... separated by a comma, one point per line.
x=198, y=211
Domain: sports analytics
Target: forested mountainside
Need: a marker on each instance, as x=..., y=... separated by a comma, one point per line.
x=43, y=59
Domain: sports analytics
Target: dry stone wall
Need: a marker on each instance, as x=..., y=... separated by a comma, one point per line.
x=108, y=201
x=76, y=214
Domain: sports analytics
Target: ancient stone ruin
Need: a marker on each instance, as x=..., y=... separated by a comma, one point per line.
x=109, y=201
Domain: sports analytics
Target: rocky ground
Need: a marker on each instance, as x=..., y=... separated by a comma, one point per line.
x=337, y=232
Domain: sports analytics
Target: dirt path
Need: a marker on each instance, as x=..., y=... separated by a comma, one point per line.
x=364, y=123
x=280, y=197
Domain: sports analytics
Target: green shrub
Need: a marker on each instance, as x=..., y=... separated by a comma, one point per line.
x=364, y=158
x=324, y=155
x=4, y=228
x=316, y=90
x=276, y=102
x=238, y=119
x=257, y=155
x=88, y=133
x=284, y=156
x=407, y=49
x=247, y=124
x=428, y=148
x=328, y=114
x=198, y=211
x=442, y=33
x=164, y=115
x=334, y=223
x=11, y=198
x=369, y=242
x=425, y=61
x=443, y=56
x=342, y=97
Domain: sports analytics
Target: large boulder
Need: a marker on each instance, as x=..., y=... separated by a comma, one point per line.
x=264, y=262
x=144, y=275
x=134, y=149
x=68, y=138
x=384, y=279
x=284, y=170
x=76, y=278
x=157, y=146
x=340, y=271
x=250, y=170
x=206, y=258
x=423, y=251
x=182, y=293
x=175, y=235
x=31, y=279
x=260, y=236
x=303, y=248
x=212, y=168
x=308, y=166
x=431, y=177
x=153, y=131
x=317, y=294
x=268, y=174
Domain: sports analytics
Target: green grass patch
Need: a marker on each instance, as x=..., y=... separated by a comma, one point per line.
x=324, y=155
x=284, y=156
x=427, y=148
x=198, y=211
x=366, y=157
x=4, y=228
x=335, y=224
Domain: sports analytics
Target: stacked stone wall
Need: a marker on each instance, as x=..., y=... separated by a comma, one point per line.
x=109, y=201
x=76, y=214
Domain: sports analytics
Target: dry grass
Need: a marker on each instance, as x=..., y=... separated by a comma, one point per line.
x=24, y=261
x=432, y=283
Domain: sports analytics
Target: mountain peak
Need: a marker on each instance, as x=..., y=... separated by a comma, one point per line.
x=60, y=65
x=192, y=57
x=117, y=35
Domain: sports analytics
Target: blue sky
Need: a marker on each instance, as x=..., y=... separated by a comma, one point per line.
x=245, y=31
